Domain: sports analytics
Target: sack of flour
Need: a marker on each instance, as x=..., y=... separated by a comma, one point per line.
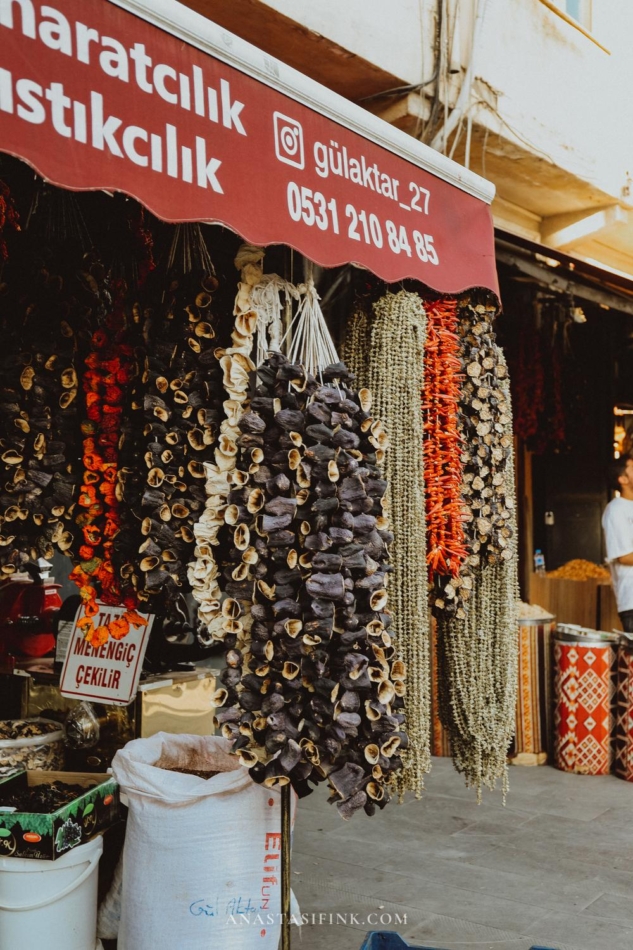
x=202, y=856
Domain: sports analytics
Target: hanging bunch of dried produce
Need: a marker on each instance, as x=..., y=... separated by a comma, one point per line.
x=39, y=398
x=9, y=219
x=446, y=551
x=221, y=474
x=309, y=560
x=477, y=655
x=109, y=368
x=396, y=379
x=357, y=341
x=173, y=426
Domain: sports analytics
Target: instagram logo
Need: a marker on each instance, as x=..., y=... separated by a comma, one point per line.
x=289, y=140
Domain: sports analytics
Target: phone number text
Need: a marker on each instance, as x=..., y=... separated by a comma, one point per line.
x=314, y=209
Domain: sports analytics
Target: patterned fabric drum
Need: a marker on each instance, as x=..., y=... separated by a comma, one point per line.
x=440, y=743
x=624, y=712
x=584, y=687
x=532, y=742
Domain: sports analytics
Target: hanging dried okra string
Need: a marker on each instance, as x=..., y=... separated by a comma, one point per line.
x=446, y=551
x=477, y=656
x=395, y=375
x=357, y=342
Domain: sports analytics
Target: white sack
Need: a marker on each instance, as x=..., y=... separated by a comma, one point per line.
x=200, y=856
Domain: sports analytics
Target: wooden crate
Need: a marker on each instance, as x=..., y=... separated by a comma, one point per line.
x=569, y=601
x=609, y=619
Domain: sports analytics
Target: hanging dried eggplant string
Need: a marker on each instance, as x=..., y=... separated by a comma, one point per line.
x=315, y=689
x=41, y=334
x=221, y=474
x=174, y=407
x=446, y=551
x=477, y=656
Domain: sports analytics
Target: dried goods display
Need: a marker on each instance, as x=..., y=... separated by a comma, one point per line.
x=172, y=426
x=389, y=359
x=236, y=365
x=581, y=570
x=42, y=799
x=443, y=470
x=31, y=744
x=315, y=666
x=44, y=318
x=9, y=218
x=477, y=656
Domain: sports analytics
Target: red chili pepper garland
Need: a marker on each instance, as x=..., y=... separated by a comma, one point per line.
x=109, y=369
x=8, y=218
x=442, y=443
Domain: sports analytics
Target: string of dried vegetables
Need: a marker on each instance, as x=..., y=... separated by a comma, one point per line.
x=109, y=369
x=446, y=550
x=174, y=405
x=38, y=423
x=9, y=219
x=221, y=474
x=477, y=655
x=389, y=360
x=309, y=561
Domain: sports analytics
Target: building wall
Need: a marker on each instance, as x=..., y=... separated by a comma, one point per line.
x=550, y=105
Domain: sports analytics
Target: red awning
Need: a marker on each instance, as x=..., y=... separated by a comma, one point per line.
x=95, y=96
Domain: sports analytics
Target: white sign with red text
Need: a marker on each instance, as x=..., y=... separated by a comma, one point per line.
x=109, y=673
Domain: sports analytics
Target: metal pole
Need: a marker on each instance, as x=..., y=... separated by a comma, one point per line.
x=286, y=792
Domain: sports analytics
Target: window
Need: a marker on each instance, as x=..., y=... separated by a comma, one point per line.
x=579, y=10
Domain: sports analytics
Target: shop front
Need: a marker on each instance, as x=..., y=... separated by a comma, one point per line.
x=255, y=429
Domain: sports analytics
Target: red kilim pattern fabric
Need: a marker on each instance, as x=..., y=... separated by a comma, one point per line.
x=624, y=715
x=583, y=717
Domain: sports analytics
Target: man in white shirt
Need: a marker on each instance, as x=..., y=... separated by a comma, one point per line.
x=617, y=522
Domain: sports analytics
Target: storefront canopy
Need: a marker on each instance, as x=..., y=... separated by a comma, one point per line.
x=150, y=99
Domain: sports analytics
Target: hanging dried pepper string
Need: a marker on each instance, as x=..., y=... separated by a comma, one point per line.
x=446, y=547
x=9, y=218
x=109, y=368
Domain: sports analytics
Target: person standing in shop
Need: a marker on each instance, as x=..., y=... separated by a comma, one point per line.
x=617, y=523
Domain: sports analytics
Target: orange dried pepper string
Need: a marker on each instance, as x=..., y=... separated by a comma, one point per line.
x=109, y=369
x=446, y=546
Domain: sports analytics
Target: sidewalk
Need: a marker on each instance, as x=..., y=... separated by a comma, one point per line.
x=552, y=868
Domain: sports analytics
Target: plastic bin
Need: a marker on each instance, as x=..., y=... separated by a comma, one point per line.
x=389, y=940
x=26, y=751
x=50, y=904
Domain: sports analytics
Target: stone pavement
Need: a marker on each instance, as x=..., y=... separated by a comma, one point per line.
x=554, y=868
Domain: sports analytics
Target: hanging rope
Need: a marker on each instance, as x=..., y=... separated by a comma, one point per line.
x=308, y=338
x=266, y=301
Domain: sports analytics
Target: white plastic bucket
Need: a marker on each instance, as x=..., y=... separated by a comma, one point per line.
x=50, y=905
